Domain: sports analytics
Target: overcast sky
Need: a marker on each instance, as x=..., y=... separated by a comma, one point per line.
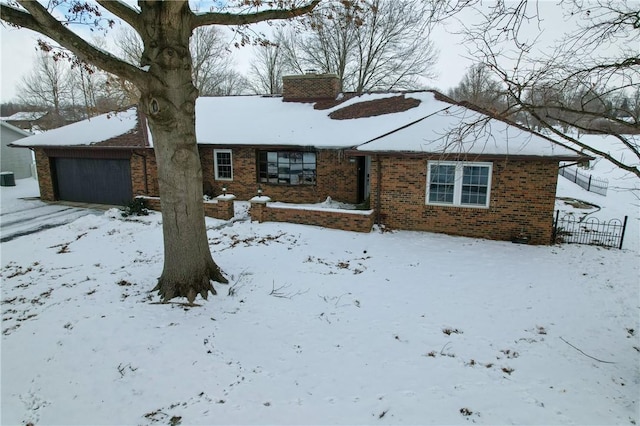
x=18, y=50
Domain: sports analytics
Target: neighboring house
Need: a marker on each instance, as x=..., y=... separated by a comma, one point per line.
x=27, y=120
x=14, y=160
x=411, y=155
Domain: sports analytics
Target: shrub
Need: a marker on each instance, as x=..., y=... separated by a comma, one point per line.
x=135, y=207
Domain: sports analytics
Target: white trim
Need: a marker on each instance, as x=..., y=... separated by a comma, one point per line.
x=457, y=189
x=215, y=163
x=15, y=129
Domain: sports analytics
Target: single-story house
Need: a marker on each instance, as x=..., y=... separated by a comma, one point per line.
x=416, y=156
x=16, y=161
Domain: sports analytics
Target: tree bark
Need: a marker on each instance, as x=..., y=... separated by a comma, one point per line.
x=169, y=103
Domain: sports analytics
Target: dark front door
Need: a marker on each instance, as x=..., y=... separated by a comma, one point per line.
x=93, y=180
x=364, y=164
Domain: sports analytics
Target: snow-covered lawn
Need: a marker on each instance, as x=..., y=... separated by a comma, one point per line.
x=320, y=326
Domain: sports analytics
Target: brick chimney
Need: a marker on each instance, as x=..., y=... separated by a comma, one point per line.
x=310, y=87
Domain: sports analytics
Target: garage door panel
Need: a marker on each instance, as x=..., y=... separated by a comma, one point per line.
x=93, y=180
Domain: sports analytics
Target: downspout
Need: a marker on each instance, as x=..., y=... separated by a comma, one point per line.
x=378, y=190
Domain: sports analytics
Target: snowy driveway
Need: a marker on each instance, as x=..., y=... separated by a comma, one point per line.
x=38, y=217
x=22, y=213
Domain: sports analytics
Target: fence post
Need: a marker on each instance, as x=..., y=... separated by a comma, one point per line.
x=589, y=184
x=575, y=177
x=624, y=228
x=555, y=228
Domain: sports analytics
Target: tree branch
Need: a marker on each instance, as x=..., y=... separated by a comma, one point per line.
x=123, y=11
x=213, y=18
x=633, y=169
x=38, y=19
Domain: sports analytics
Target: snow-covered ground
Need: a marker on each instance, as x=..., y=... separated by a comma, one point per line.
x=22, y=214
x=320, y=326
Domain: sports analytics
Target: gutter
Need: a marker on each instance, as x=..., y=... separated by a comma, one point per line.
x=80, y=147
x=460, y=156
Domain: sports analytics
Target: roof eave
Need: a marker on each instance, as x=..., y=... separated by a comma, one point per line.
x=467, y=155
x=94, y=146
x=265, y=146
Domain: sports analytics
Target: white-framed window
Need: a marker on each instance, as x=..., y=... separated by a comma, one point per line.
x=456, y=183
x=223, y=164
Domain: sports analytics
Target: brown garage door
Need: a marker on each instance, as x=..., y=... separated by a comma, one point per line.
x=93, y=180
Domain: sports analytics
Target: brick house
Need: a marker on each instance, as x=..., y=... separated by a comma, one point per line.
x=415, y=156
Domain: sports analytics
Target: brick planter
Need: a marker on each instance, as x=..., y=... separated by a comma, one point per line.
x=347, y=220
x=219, y=208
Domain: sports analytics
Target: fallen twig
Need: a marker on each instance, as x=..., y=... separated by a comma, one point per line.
x=276, y=292
x=444, y=347
x=587, y=355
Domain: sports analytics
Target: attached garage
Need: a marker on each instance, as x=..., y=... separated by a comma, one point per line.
x=92, y=180
x=101, y=160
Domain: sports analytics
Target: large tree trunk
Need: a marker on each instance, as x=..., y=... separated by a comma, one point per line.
x=169, y=102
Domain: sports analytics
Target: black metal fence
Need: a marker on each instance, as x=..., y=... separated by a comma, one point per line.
x=592, y=231
x=585, y=180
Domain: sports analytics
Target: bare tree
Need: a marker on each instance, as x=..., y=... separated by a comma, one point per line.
x=393, y=47
x=48, y=85
x=129, y=44
x=268, y=67
x=89, y=94
x=231, y=83
x=212, y=63
x=167, y=97
x=479, y=87
x=69, y=90
x=568, y=89
x=369, y=44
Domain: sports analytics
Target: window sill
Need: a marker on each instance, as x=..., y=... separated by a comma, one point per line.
x=460, y=206
x=292, y=185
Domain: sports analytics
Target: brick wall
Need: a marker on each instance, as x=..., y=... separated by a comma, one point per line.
x=45, y=181
x=218, y=209
x=360, y=221
x=522, y=198
x=144, y=173
x=336, y=177
x=310, y=87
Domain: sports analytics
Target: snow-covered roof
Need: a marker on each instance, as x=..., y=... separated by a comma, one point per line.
x=87, y=132
x=251, y=120
x=452, y=129
x=415, y=122
x=26, y=116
